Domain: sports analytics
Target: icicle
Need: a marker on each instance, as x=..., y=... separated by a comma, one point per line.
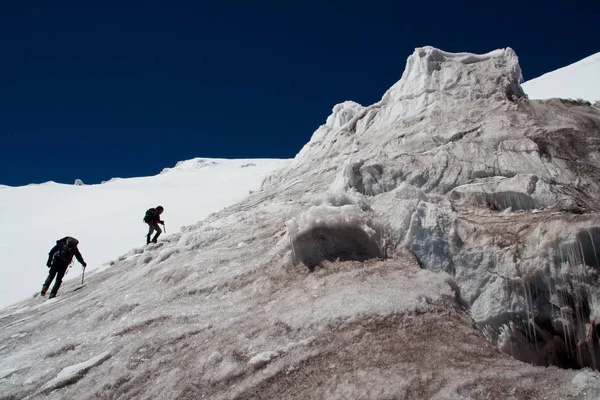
x=594, y=247
x=532, y=320
x=567, y=332
x=560, y=257
x=526, y=308
x=528, y=312
x=578, y=294
x=512, y=350
x=590, y=338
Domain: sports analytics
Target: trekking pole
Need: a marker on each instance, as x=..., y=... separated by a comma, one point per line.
x=82, y=275
x=165, y=228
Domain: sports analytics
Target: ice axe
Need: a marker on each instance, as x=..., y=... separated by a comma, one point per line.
x=82, y=275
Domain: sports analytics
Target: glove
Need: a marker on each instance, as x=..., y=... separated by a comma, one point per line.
x=162, y=223
x=84, y=265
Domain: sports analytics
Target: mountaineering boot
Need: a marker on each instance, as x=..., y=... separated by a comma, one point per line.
x=154, y=240
x=52, y=295
x=148, y=239
x=44, y=290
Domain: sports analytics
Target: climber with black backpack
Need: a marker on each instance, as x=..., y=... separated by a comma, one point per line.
x=152, y=218
x=59, y=259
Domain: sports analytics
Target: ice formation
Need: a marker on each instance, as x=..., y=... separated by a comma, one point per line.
x=441, y=243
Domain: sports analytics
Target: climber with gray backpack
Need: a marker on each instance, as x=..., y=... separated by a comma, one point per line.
x=60, y=258
x=152, y=218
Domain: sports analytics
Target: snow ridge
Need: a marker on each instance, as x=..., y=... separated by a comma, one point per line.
x=580, y=80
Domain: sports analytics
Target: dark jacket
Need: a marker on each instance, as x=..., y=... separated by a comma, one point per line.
x=67, y=257
x=155, y=218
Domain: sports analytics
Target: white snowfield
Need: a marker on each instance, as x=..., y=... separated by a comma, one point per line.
x=438, y=244
x=580, y=80
x=107, y=218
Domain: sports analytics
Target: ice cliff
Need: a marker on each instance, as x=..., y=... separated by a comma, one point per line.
x=480, y=183
x=441, y=243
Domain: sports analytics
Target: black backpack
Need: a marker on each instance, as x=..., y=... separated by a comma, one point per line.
x=66, y=248
x=149, y=217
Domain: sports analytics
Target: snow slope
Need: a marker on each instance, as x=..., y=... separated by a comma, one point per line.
x=408, y=242
x=580, y=80
x=107, y=218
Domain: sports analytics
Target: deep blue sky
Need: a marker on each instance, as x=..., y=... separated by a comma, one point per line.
x=95, y=90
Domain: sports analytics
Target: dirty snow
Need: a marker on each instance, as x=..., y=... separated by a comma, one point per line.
x=451, y=296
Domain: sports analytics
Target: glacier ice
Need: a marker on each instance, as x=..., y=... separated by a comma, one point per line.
x=450, y=220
